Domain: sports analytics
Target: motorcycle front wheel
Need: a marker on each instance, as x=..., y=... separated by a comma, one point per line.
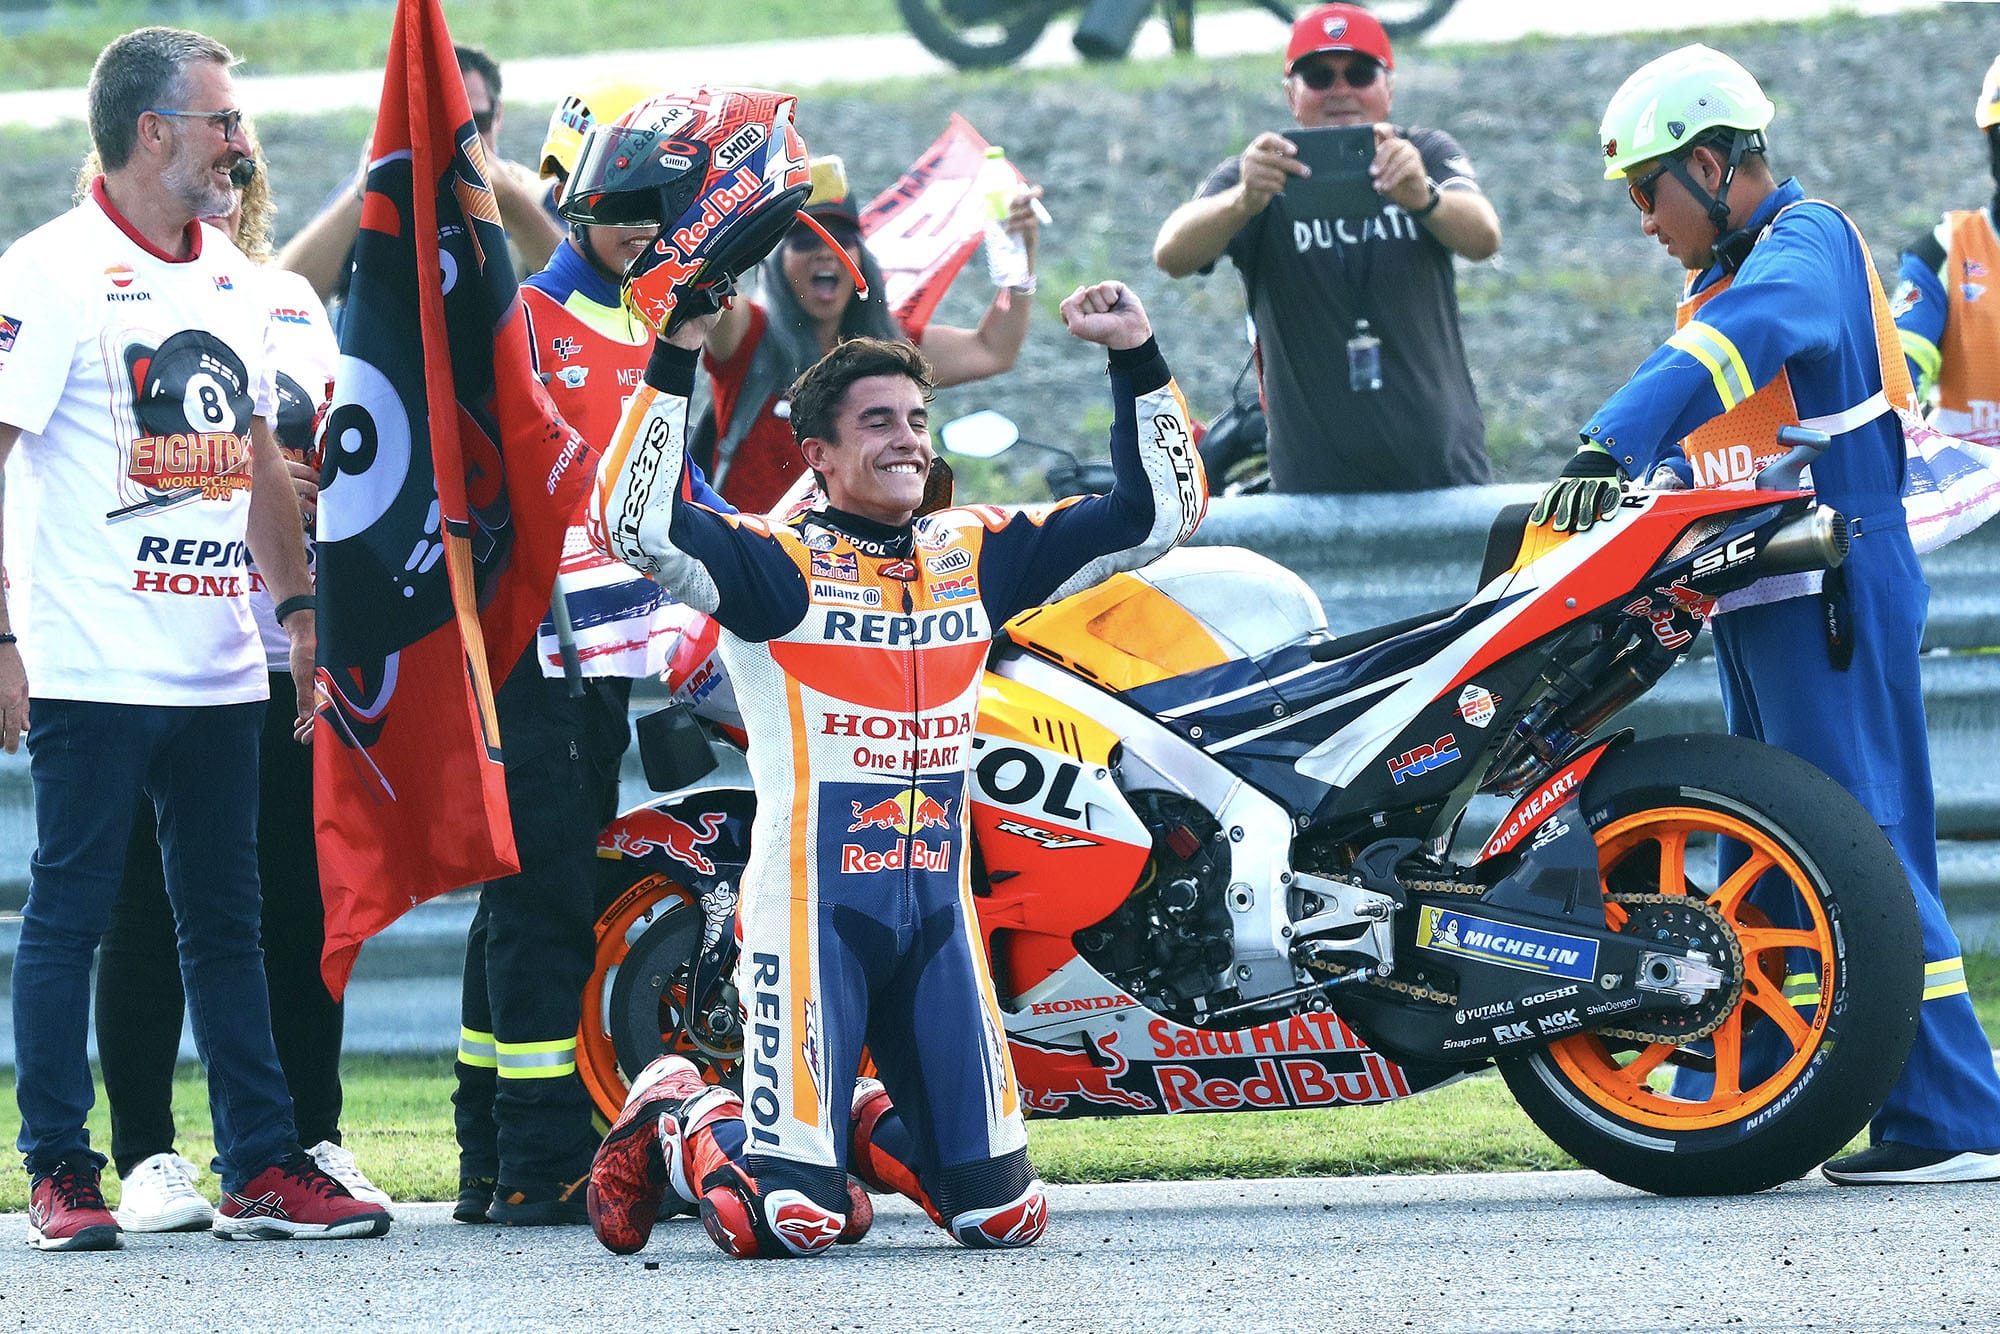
x=1814, y=1031
x=636, y=1002
x=976, y=34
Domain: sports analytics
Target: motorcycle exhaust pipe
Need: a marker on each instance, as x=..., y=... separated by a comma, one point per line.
x=1815, y=540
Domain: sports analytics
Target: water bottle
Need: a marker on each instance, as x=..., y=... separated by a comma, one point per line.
x=1364, y=360
x=1006, y=253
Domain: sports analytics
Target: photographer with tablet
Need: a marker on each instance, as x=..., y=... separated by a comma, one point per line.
x=1344, y=231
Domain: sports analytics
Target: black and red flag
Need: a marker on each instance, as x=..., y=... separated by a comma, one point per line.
x=449, y=482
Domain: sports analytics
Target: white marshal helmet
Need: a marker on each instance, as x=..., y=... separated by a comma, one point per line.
x=1669, y=102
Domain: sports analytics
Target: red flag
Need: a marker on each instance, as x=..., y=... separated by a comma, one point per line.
x=923, y=229
x=450, y=480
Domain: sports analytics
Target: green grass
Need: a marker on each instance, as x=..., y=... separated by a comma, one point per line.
x=356, y=36
x=398, y=1124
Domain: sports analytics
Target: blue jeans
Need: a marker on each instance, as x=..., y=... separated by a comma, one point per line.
x=90, y=763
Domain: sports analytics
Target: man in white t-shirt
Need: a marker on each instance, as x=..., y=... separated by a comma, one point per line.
x=136, y=398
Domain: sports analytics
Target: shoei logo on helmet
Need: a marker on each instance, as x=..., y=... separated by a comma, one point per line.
x=738, y=146
x=676, y=161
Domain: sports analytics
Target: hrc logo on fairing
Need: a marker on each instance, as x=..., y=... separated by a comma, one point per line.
x=1423, y=759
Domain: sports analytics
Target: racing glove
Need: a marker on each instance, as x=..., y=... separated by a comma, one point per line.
x=1587, y=491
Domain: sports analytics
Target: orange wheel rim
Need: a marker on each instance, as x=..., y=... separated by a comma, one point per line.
x=596, y=1051
x=1787, y=985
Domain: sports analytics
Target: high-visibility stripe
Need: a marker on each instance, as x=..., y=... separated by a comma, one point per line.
x=1706, y=344
x=475, y=1049
x=1848, y=419
x=1802, y=990
x=536, y=1060
x=1944, y=978
x=1925, y=353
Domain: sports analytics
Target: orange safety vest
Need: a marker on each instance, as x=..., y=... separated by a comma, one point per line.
x=1727, y=451
x=1969, y=379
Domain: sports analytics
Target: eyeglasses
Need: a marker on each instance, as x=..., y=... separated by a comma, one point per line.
x=1320, y=77
x=483, y=120
x=229, y=122
x=1647, y=187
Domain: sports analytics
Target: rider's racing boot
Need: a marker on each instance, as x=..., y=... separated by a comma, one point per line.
x=711, y=1137
x=872, y=1158
x=749, y=1222
x=630, y=1173
x=879, y=1152
x=1019, y=1222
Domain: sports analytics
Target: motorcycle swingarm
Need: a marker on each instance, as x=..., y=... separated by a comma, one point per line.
x=1476, y=980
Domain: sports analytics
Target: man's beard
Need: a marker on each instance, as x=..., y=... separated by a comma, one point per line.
x=194, y=183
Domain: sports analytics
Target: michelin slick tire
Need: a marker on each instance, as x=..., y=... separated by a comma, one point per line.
x=1832, y=974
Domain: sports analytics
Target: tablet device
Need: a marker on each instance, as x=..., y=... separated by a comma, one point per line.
x=1339, y=187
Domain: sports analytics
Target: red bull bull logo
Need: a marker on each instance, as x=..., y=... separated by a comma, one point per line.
x=906, y=813
x=1051, y=1076
x=648, y=831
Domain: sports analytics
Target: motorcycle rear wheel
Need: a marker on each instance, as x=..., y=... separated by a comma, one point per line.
x=1828, y=1008
x=634, y=1005
x=975, y=45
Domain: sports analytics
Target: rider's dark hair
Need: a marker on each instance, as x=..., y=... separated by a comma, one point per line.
x=817, y=394
x=144, y=69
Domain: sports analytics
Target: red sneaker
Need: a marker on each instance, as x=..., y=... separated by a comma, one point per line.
x=66, y=1212
x=629, y=1175
x=293, y=1200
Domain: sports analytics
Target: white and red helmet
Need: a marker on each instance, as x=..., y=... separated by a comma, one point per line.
x=721, y=172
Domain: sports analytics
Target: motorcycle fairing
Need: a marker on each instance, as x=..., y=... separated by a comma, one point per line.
x=1194, y=610
x=1083, y=1047
x=1536, y=808
x=1060, y=846
x=1259, y=829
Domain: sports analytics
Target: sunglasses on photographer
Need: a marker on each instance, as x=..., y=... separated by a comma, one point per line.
x=1320, y=77
x=482, y=121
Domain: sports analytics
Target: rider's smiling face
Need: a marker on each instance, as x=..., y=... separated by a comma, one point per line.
x=879, y=453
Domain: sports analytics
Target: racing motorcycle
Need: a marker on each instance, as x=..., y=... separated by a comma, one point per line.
x=1215, y=868
x=987, y=34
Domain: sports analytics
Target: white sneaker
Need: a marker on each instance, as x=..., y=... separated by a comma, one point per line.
x=338, y=1163
x=160, y=1197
